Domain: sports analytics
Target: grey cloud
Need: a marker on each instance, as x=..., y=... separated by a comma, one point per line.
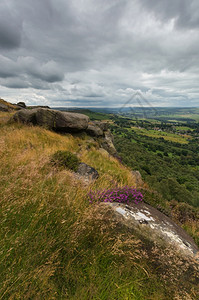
x=48, y=72
x=9, y=37
x=186, y=13
x=15, y=83
x=8, y=68
x=10, y=27
x=94, y=95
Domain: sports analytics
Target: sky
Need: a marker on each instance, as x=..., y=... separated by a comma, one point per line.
x=88, y=53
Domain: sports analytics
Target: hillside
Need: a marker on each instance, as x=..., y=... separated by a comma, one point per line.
x=6, y=106
x=56, y=245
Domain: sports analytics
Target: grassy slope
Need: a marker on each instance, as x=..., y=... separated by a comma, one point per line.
x=9, y=105
x=54, y=245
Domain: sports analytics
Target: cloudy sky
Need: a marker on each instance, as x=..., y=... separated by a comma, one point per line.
x=99, y=53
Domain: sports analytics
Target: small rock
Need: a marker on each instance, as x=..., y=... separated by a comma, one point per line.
x=87, y=172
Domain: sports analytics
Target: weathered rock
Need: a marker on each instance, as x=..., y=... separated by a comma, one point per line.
x=94, y=130
x=21, y=104
x=102, y=125
x=137, y=177
x=107, y=143
x=155, y=226
x=104, y=152
x=27, y=116
x=53, y=119
x=38, y=106
x=87, y=172
x=4, y=107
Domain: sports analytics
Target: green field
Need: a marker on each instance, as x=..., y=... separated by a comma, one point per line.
x=161, y=134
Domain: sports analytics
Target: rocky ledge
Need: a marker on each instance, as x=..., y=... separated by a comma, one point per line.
x=67, y=122
x=154, y=225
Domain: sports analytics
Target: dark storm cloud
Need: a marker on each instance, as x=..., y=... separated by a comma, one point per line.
x=49, y=72
x=10, y=27
x=9, y=37
x=100, y=52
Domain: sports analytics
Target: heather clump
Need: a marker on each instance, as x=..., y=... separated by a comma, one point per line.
x=126, y=194
x=65, y=159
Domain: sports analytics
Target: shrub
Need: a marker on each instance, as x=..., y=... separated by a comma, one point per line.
x=65, y=159
x=124, y=194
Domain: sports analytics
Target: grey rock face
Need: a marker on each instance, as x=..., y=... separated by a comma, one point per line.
x=87, y=171
x=3, y=107
x=53, y=119
x=138, y=178
x=94, y=130
x=102, y=125
x=25, y=116
x=156, y=226
x=107, y=143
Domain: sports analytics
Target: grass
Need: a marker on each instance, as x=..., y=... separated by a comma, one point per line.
x=54, y=245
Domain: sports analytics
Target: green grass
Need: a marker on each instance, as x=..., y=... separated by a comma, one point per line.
x=54, y=245
x=185, y=128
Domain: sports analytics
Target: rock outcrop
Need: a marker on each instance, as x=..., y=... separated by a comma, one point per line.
x=53, y=119
x=21, y=104
x=107, y=143
x=3, y=107
x=67, y=122
x=155, y=226
x=6, y=106
x=94, y=130
x=137, y=178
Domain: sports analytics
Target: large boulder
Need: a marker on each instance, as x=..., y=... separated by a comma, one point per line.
x=53, y=119
x=27, y=116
